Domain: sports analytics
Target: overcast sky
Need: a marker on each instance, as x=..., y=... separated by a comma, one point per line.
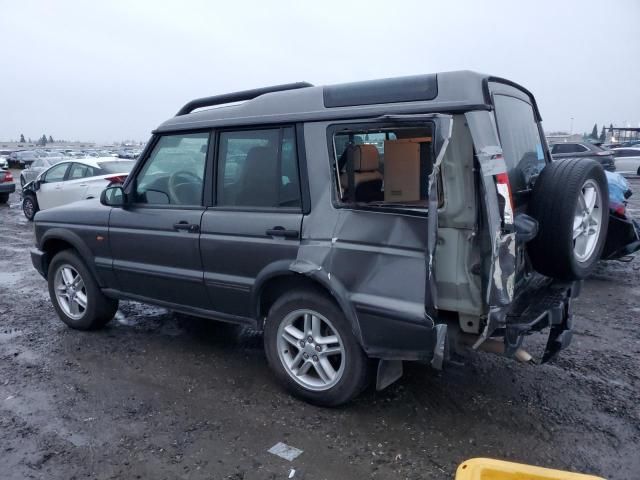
x=114, y=70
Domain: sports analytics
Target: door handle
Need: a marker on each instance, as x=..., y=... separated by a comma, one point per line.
x=282, y=232
x=189, y=227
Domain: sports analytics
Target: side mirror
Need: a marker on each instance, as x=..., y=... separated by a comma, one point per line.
x=36, y=184
x=113, y=197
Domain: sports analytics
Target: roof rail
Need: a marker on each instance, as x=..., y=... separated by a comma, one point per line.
x=237, y=96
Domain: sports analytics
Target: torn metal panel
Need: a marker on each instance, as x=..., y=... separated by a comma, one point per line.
x=499, y=215
x=499, y=219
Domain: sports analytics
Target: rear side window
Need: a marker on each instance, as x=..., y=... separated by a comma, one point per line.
x=568, y=148
x=78, y=170
x=258, y=168
x=117, y=166
x=520, y=139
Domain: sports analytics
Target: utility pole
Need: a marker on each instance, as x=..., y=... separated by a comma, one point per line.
x=571, y=129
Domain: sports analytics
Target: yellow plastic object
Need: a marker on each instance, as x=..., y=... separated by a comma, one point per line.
x=489, y=469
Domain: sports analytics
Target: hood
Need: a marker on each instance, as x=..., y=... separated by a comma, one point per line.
x=83, y=212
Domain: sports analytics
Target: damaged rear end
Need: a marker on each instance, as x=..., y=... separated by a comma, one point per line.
x=522, y=293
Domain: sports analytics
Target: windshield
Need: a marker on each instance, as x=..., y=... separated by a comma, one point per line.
x=117, y=166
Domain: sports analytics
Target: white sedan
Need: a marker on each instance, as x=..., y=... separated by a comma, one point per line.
x=627, y=160
x=73, y=180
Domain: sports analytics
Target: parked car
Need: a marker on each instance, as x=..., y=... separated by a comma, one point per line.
x=7, y=186
x=271, y=213
x=584, y=150
x=4, y=162
x=627, y=160
x=37, y=167
x=72, y=180
x=22, y=158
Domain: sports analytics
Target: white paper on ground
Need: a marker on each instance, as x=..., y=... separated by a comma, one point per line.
x=285, y=451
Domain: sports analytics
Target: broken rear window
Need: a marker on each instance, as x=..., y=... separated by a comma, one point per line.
x=520, y=139
x=383, y=166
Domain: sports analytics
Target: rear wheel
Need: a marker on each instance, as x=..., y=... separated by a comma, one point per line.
x=29, y=206
x=75, y=295
x=570, y=201
x=4, y=197
x=312, y=351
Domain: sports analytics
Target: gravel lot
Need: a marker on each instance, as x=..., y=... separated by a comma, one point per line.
x=159, y=396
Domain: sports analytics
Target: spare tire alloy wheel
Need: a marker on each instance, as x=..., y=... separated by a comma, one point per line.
x=71, y=292
x=588, y=221
x=311, y=350
x=570, y=201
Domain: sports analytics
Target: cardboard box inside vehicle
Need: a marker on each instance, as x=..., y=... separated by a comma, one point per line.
x=404, y=170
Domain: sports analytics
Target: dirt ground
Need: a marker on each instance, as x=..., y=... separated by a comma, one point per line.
x=158, y=396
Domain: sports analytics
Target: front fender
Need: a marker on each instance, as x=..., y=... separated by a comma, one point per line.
x=54, y=236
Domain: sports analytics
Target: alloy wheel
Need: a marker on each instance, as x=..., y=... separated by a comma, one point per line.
x=71, y=292
x=311, y=350
x=587, y=221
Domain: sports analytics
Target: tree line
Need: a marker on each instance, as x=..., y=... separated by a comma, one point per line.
x=594, y=133
x=43, y=140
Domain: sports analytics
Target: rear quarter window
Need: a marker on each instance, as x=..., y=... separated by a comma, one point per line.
x=521, y=144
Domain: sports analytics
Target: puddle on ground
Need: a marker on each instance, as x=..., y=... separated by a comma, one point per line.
x=9, y=279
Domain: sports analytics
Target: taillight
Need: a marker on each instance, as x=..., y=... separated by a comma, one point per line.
x=115, y=179
x=504, y=189
x=7, y=177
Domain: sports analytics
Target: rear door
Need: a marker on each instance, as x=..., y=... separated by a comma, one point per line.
x=155, y=239
x=76, y=184
x=51, y=191
x=257, y=213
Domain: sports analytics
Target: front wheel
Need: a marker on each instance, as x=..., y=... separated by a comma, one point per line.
x=29, y=207
x=75, y=295
x=312, y=350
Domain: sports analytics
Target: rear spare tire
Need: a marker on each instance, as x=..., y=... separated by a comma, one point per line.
x=570, y=201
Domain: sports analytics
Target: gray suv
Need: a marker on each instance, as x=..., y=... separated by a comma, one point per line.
x=606, y=158
x=358, y=226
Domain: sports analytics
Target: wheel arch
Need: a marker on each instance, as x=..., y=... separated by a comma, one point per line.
x=282, y=276
x=57, y=239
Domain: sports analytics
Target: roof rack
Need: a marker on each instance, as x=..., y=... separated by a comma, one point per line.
x=238, y=96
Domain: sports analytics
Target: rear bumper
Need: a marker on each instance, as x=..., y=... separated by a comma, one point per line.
x=38, y=259
x=7, y=187
x=543, y=303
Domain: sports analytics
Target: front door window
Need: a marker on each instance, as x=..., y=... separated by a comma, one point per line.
x=174, y=172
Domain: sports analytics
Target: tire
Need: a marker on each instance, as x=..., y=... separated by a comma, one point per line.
x=638, y=171
x=557, y=199
x=4, y=198
x=98, y=310
x=351, y=366
x=30, y=206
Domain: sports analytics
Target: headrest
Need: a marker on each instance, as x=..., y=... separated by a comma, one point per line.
x=365, y=158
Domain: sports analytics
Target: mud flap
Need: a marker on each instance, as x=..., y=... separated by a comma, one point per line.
x=623, y=238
